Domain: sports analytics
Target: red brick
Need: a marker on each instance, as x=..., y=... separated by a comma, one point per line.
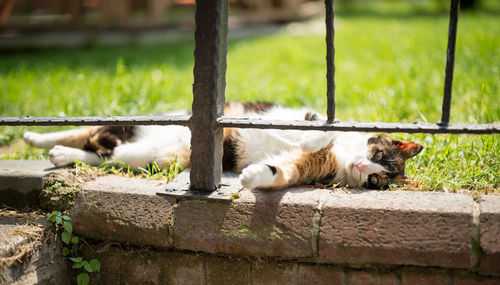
x=259, y=223
x=124, y=210
x=364, y=277
x=418, y=278
x=319, y=274
x=140, y=269
x=490, y=235
x=222, y=271
x=401, y=228
x=148, y=266
x=182, y=268
x=475, y=280
x=198, y=224
x=278, y=223
x=274, y=273
x=111, y=263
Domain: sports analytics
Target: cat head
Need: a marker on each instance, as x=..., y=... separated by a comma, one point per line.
x=379, y=161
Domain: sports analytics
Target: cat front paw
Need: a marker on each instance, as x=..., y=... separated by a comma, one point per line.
x=258, y=176
x=62, y=155
x=32, y=138
x=38, y=140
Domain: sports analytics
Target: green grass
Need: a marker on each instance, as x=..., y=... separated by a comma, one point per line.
x=390, y=61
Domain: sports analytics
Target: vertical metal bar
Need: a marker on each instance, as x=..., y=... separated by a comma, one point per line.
x=330, y=60
x=208, y=93
x=450, y=62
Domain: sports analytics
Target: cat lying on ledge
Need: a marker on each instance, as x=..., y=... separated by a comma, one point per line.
x=266, y=159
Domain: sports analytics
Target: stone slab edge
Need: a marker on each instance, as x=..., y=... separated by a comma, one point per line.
x=22, y=180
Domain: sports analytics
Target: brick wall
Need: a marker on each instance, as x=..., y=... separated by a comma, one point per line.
x=294, y=236
x=157, y=266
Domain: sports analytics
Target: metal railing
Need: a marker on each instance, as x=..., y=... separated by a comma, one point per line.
x=207, y=121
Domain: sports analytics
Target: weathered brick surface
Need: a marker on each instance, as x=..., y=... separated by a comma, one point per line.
x=198, y=224
x=368, y=277
x=475, y=280
x=318, y=274
x=111, y=265
x=179, y=268
x=259, y=223
x=426, y=278
x=221, y=271
x=161, y=266
x=490, y=235
x=404, y=228
x=140, y=268
x=274, y=273
x=124, y=210
x=278, y=223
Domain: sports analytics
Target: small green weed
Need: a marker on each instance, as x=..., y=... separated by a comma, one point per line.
x=73, y=246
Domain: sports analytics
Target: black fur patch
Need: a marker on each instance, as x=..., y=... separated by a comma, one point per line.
x=311, y=116
x=273, y=169
x=124, y=133
x=257, y=107
x=229, y=155
x=108, y=136
x=90, y=147
x=107, y=140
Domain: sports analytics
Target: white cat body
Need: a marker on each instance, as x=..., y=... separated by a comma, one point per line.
x=265, y=157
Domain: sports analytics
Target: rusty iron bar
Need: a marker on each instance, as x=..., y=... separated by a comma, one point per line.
x=362, y=126
x=223, y=122
x=95, y=120
x=330, y=59
x=208, y=93
x=450, y=62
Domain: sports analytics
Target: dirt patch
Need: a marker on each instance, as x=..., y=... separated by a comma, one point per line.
x=20, y=233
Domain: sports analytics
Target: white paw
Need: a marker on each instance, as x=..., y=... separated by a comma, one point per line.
x=258, y=175
x=37, y=140
x=315, y=141
x=31, y=137
x=62, y=155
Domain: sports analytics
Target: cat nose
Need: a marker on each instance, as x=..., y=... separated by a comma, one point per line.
x=361, y=166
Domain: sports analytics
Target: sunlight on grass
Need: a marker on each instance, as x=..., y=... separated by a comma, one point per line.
x=152, y=172
x=389, y=67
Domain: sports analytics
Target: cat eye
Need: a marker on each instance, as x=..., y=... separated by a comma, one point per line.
x=378, y=156
x=373, y=179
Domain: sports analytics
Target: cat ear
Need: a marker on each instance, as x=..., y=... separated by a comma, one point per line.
x=408, y=149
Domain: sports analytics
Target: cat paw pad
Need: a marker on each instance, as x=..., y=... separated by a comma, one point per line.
x=258, y=175
x=62, y=156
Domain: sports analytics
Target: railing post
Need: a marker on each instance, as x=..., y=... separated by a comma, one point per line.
x=330, y=59
x=208, y=93
x=450, y=62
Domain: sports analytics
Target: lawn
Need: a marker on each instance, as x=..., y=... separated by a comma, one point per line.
x=390, y=63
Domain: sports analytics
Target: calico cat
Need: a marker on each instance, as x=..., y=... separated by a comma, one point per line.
x=266, y=159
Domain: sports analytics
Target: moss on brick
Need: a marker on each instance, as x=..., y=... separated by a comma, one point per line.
x=62, y=187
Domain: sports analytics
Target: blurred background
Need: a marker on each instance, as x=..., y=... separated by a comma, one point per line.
x=57, y=14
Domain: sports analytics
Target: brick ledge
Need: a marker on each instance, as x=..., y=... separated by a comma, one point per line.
x=311, y=225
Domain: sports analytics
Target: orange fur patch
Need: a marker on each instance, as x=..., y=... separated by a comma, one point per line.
x=183, y=154
x=78, y=138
